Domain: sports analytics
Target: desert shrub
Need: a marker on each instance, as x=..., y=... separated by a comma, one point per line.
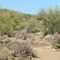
x=51, y=20
x=22, y=50
x=56, y=44
x=11, y=22
x=7, y=30
x=46, y=20
x=32, y=26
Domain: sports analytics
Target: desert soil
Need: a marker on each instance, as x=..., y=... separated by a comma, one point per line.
x=47, y=54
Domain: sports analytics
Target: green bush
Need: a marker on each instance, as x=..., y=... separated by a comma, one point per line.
x=11, y=22
x=51, y=20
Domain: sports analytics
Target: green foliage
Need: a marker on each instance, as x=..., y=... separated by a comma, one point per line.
x=33, y=26
x=51, y=20
x=11, y=22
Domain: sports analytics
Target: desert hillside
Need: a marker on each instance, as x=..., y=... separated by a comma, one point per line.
x=30, y=37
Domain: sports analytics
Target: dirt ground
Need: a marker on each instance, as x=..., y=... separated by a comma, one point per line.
x=47, y=54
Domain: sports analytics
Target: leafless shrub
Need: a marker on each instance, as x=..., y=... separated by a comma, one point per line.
x=22, y=50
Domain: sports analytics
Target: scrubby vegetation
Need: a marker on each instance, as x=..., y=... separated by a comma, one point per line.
x=11, y=21
x=37, y=30
x=51, y=20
